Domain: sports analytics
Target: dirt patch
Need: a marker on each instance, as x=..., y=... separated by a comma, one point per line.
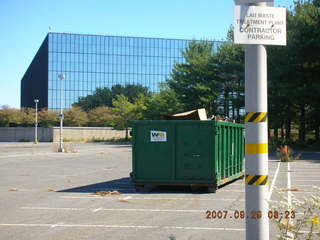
x=292, y=190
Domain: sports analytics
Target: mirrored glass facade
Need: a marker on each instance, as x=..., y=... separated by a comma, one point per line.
x=93, y=61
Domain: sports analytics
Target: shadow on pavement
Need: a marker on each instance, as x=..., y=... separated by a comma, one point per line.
x=313, y=157
x=125, y=185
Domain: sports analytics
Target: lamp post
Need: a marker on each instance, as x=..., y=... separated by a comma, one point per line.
x=36, y=123
x=61, y=77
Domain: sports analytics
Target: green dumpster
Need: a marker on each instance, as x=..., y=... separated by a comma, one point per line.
x=195, y=153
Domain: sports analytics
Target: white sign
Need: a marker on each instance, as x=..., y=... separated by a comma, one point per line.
x=260, y=25
x=158, y=136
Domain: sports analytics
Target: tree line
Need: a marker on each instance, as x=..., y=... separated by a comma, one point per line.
x=294, y=70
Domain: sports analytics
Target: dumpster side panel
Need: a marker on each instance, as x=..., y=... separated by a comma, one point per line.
x=194, y=150
x=229, y=151
x=153, y=151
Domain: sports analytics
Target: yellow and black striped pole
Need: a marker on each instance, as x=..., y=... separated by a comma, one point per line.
x=256, y=164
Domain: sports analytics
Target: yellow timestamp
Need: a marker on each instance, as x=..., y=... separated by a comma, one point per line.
x=241, y=214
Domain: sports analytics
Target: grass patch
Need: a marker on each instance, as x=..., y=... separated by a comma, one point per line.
x=73, y=140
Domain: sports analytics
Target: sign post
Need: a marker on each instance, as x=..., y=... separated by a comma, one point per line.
x=257, y=25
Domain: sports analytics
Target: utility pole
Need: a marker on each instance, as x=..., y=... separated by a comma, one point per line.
x=257, y=25
x=36, y=122
x=61, y=77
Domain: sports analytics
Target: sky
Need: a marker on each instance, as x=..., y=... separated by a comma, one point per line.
x=24, y=25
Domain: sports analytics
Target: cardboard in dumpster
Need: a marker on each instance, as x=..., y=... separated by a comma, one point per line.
x=197, y=114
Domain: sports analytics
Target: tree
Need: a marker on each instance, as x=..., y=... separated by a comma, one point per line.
x=230, y=62
x=75, y=117
x=294, y=86
x=165, y=102
x=48, y=118
x=28, y=117
x=194, y=81
x=213, y=80
x=125, y=111
x=100, y=117
x=9, y=117
x=105, y=96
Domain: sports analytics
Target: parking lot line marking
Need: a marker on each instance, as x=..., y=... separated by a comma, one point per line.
x=290, y=234
x=187, y=199
x=96, y=210
x=304, y=185
x=303, y=174
x=301, y=163
x=303, y=171
x=303, y=192
x=289, y=185
x=117, y=209
x=117, y=226
x=155, y=198
x=307, y=180
x=52, y=208
x=274, y=181
x=225, y=190
x=205, y=228
x=152, y=210
x=55, y=225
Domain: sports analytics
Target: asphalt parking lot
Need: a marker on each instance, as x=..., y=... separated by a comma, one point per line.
x=50, y=195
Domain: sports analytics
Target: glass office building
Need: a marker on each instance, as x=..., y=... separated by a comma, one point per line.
x=95, y=61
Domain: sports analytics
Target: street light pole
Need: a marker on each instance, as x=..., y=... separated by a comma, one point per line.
x=36, y=123
x=61, y=77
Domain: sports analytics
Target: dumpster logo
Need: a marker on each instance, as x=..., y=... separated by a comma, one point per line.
x=158, y=136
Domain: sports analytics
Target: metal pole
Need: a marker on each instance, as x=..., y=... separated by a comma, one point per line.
x=256, y=165
x=36, y=123
x=61, y=77
x=256, y=143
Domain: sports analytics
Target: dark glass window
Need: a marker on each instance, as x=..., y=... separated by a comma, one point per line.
x=90, y=61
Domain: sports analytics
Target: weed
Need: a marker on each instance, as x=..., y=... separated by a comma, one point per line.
x=68, y=148
x=304, y=219
x=285, y=153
